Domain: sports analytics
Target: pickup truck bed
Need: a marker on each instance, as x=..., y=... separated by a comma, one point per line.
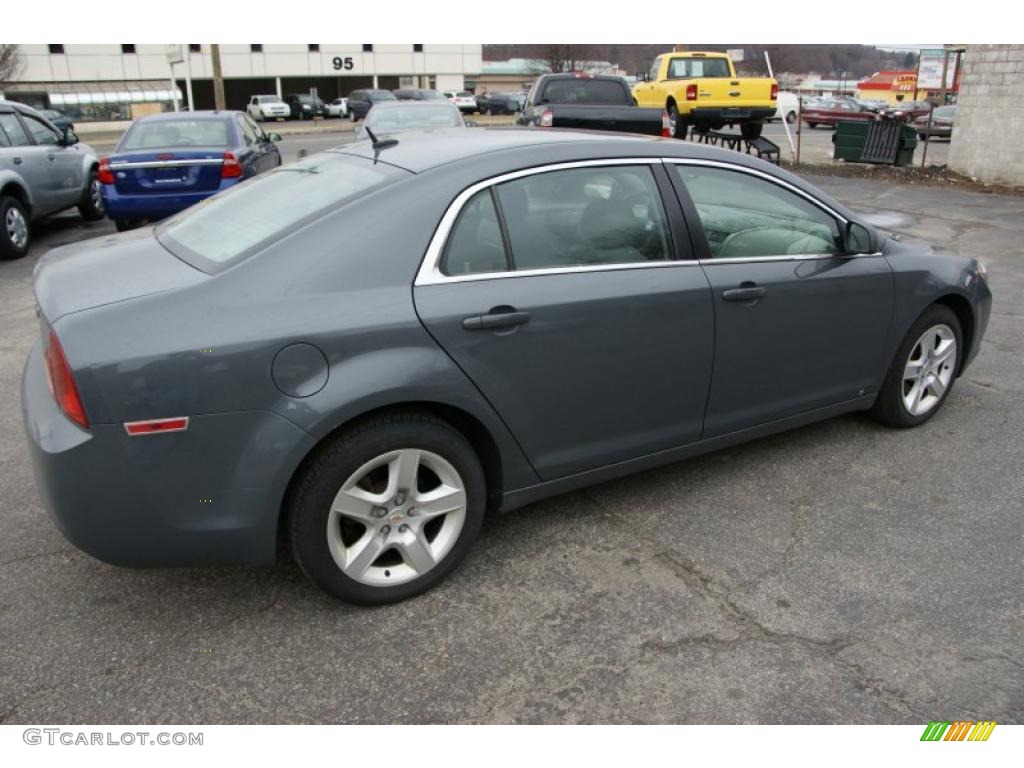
x=598, y=102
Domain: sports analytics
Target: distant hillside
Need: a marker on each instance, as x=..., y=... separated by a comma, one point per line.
x=855, y=60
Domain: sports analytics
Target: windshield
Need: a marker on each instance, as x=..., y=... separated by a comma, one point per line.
x=175, y=133
x=250, y=216
x=585, y=92
x=382, y=96
x=385, y=120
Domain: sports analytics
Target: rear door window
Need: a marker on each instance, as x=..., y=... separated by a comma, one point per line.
x=12, y=128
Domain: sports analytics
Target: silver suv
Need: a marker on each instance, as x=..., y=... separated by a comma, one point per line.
x=42, y=171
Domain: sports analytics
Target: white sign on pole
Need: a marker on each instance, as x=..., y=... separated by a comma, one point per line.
x=736, y=54
x=174, y=55
x=929, y=70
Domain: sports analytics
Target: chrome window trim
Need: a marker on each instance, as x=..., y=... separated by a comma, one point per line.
x=787, y=257
x=430, y=267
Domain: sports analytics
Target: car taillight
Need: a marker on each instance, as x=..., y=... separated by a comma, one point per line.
x=231, y=169
x=666, y=125
x=691, y=92
x=62, y=384
x=104, y=174
x=547, y=119
x=775, y=91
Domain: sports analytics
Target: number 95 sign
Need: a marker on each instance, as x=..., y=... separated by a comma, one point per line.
x=342, y=63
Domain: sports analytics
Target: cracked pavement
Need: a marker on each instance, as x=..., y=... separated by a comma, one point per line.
x=840, y=573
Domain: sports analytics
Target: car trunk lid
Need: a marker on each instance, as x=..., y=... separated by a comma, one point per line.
x=107, y=270
x=159, y=171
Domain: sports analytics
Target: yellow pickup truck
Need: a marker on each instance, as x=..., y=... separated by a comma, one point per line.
x=702, y=90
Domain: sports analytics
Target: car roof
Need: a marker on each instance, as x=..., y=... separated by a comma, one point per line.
x=435, y=104
x=201, y=114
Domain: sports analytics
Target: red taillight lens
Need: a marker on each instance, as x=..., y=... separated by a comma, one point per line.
x=231, y=169
x=104, y=174
x=666, y=125
x=62, y=384
x=691, y=92
x=775, y=91
x=547, y=118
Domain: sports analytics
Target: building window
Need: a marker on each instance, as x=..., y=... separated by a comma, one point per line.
x=56, y=47
x=127, y=48
x=256, y=47
x=367, y=47
x=417, y=47
x=195, y=48
x=314, y=47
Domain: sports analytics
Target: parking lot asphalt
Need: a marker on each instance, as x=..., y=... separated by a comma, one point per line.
x=840, y=573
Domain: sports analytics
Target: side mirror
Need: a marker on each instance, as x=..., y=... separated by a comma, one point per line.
x=69, y=139
x=274, y=136
x=642, y=77
x=858, y=238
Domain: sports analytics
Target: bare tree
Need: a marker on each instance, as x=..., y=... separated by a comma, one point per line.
x=10, y=63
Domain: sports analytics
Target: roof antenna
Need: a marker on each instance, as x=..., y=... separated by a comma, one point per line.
x=380, y=143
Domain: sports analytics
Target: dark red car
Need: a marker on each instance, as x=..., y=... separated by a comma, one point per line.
x=908, y=110
x=830, y=111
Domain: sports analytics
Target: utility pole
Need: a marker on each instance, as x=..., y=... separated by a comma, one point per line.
x=218, y=78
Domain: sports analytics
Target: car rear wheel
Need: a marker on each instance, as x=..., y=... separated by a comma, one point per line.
x=15, y=232
x=791, y=117
x=812, y=125
x=92, y=208
x=387, y=509
x=678, y=125
x=923, y=371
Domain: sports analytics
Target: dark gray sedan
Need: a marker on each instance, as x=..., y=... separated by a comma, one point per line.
x=366, y=351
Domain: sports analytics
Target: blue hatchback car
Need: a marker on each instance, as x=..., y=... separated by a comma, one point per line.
x=165, y=163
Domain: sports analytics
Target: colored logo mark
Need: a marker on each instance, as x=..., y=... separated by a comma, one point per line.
x=958, y=730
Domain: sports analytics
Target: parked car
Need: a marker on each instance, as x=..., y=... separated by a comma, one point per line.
x=166, y=162
x=579, y=100
x=786, y=107
x=908, y=110
x=941, y=123
x=702, y=89
x=557, y=308
x=360, y=102
x=303, y=106
x=338, y=108
x=464, y=100
x=59, y=120
x=828, y=112
x=418, y=94
x=391, y=117
x=500, y=103
x=271, y=107
x=43, y=171
x=873, y=105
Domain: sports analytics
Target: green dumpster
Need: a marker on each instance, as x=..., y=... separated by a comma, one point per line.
x=878, y=141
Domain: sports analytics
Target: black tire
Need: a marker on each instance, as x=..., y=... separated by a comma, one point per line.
x=124, y=225
x=751, y=131
x=91, y=208
x=922, y=136
x=309, y=503
x=791, y=117
x=680, y=125
x=889, y=408
x=8, y=249
x=812, y=125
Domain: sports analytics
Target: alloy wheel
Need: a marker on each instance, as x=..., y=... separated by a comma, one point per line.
x=17, y=227
x=96, y=195
x=396, y=517
x=929, y=370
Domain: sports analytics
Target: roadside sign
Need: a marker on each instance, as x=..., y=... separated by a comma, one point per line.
x=929, y=71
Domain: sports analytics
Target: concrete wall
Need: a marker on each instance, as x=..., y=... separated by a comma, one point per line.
x=988, y=136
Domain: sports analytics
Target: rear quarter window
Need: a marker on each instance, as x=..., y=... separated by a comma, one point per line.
x=235, y=224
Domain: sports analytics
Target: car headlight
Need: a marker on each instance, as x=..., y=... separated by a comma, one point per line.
x=306, y=107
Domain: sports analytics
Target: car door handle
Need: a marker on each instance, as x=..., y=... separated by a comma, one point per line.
x=51, y=157
x=17, y=161
x=494, y=320
x=744, y=293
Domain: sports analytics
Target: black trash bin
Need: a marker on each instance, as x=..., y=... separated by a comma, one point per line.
x=888, y=142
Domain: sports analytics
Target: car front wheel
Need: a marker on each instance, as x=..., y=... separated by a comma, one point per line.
x=387, y=509
x=923, y=371
x=15, y=232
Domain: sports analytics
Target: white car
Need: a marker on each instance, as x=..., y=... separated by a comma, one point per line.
x=786, y=107
x=338, y=108
x=267, y=108
x=463, y=100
